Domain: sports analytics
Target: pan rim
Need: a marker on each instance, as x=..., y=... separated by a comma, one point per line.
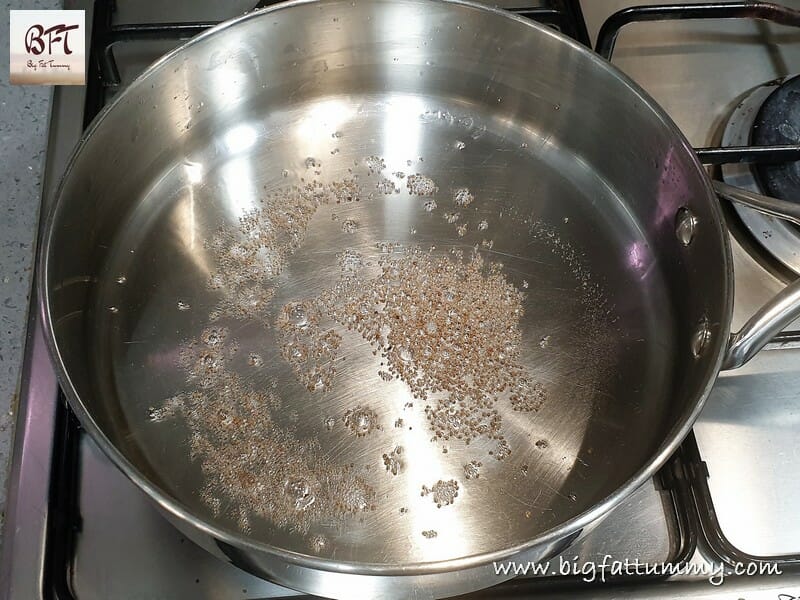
x=577, y=523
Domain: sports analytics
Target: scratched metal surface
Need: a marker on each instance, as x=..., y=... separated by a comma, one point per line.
x=141, y=552
x=169, y=263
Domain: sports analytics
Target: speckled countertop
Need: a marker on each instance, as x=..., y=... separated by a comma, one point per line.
x=23, y=132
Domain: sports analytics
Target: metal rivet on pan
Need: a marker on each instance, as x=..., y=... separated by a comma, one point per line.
x=700, y=338
x=685, y=225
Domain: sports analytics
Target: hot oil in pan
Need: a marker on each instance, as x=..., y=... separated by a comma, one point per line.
x=383, y=337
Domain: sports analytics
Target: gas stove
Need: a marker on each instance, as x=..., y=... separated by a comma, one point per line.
x=728, y=499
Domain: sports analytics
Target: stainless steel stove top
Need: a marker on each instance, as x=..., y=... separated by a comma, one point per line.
x=76, y=528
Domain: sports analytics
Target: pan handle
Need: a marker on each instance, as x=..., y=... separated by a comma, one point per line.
x=759, y=330
x=781, y=310
x=788, y=211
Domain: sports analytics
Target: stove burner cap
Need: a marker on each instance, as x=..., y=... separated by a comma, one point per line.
x=778, y=122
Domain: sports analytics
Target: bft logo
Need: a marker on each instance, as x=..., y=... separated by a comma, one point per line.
x=38, y=39
x=48, y=47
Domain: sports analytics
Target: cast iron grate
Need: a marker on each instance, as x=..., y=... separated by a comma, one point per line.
x=766, y=11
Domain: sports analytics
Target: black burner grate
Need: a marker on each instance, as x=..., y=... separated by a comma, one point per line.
x=766, y=11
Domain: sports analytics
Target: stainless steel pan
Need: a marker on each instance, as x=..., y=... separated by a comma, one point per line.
x=368, y=295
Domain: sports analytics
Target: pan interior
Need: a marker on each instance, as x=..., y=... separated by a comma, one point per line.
x=228, y=294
